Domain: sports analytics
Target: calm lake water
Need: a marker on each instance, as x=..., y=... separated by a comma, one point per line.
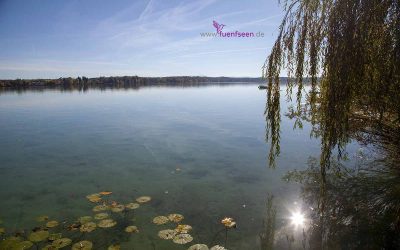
x=196, y=151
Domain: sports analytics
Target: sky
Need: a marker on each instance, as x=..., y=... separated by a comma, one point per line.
x=52, y=39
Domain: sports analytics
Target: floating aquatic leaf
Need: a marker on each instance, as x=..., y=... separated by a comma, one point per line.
x=117, y=208
x=60, y=243
x=106, y=223
x=52, y=223
x=159, y=220
x=94, y=197
x=105, y=193
x=2, y=230
x=38, y=236
x=101, y=216
x=53, y=237
x=175, y=217
x=88, y=227
x=114, y=247
x=228, y=222
x=23, y=245
x=42, y=218
x=82, y=245
x=9, y=242
x=218, y=247
x=132, y=205
x=85, y=219
x=14, y=239
x=167, y=234
x=50, y=247
x=143, y=199
x=183, y=229
x=131, y=229
x=182, y=238
x=74, y=226
x=198, y=247
x=99, y=208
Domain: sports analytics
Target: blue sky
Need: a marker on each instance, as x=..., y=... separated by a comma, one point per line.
x=51, y=39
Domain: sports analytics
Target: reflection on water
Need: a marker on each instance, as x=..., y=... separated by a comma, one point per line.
x=347, y=202
x=355, y=207
x=198, y=152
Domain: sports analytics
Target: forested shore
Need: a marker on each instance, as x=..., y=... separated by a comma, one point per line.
x=122, y=81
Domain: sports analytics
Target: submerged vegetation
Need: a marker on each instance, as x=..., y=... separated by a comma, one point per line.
x=78, y=233
x=51, y=234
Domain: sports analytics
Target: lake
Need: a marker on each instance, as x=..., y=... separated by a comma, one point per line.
x=197, y=151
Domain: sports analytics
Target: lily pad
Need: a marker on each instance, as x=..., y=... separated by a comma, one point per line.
x=131, y=229
x=198, y=247
x=106, y=223
x=60, y=243
x=143, y=199
x=118, y=208
x=114, y=247
x=132, y=205
x=218, y=247
x=183, y=229
x=99, y=208
x=74, y=226
x=88, y=227
x=82, y=245
x=101, y=216
x=49, y=247
x=182, y=238
x=94, y=197
x=55, y=236
x=42, y=218
x=228, y=222
x=85, y=219
x=105, y=193
x=159, y=220
x=52, y=223
x=167, y=234
x=23, y=245
x=9, y=242
x=38, y=236
x=175, y=217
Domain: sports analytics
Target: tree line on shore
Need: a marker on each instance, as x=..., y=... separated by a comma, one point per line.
x=122, y=81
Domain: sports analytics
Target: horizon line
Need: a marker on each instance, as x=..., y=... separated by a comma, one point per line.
x=253, y=77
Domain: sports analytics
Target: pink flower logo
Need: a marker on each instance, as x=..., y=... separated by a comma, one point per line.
x=218, y=26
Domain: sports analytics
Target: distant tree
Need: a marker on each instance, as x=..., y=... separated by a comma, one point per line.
x=84, y=79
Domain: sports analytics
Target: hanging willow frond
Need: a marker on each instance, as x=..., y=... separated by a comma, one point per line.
x=349, y=52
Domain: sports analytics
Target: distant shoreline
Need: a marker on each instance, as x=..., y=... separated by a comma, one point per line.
x=123, y=82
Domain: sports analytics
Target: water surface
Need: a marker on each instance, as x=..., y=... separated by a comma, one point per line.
x=197, y=151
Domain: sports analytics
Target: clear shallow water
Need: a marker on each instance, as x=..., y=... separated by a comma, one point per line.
x=57, y=147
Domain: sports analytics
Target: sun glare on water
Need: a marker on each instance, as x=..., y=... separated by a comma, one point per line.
x=297, y=219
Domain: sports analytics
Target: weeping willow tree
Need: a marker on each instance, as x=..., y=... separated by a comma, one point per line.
x=348, y=51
